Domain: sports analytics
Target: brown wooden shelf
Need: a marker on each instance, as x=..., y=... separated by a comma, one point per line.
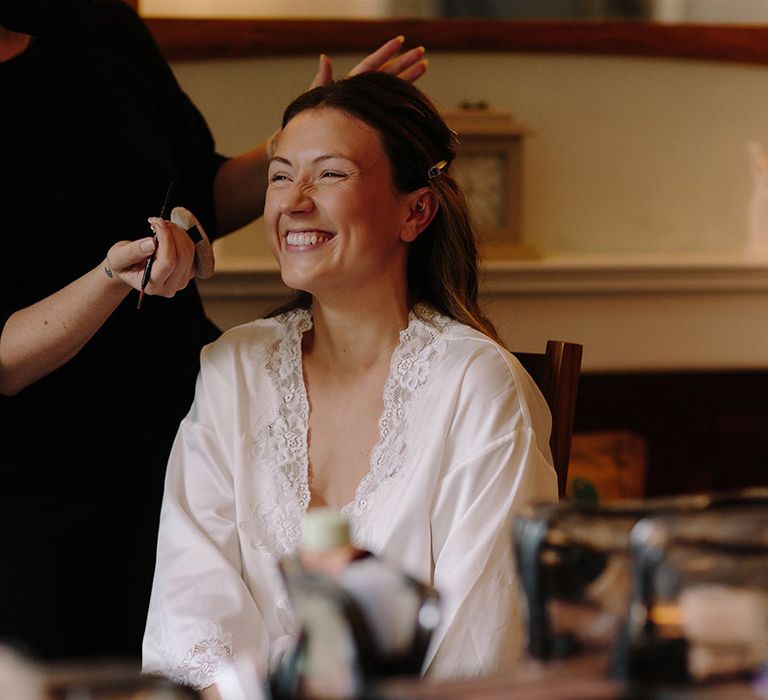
x=188, y=39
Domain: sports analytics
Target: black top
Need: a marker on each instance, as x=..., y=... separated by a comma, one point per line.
x=94, y=127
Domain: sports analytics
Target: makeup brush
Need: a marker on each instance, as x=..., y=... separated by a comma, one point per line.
x=151, y=258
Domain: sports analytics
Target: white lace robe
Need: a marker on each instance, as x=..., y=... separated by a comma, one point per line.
x=463, y=445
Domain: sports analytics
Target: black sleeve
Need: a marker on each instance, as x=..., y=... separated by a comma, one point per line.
x=4, y=315
x=128, y=42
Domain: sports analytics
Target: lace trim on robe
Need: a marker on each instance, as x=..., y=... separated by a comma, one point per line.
x=282, y=447
x=204, y=660
x=409, y=370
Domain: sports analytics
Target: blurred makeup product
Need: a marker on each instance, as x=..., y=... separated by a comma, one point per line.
x=23, y=679
x=361, y=620
x=576, y=571
x=204, y=260
x=699, y=604
x=20, y=679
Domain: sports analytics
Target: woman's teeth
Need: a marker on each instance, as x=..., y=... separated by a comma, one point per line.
x=306, y=238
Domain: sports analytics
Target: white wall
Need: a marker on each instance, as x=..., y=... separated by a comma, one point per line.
x=630, y=155
x=637, y=167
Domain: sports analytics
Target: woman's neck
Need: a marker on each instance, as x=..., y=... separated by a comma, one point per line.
x=12, y=44
x=355, y=337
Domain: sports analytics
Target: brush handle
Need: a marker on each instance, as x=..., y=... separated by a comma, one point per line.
x=151, y=258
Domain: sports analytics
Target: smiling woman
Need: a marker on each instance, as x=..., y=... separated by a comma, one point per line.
x=334, y=219
x=381, y=391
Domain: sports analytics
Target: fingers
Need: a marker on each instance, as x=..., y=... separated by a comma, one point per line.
x=126, y=257
x=411, y=62
x=378, y=58
x=173, y=266
x=174, y=263
x=413, y=73
x=409, y=66
x=324, y=73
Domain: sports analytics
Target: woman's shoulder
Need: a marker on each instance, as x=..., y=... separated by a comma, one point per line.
x=462, y=344
x=473, y=347
x=259, y=335
x=487, y=389
x=487, y=368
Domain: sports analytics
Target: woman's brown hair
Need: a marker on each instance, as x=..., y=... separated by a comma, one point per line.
x=443, y=260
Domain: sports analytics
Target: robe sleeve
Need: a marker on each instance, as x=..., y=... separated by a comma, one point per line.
x=508, y=467
x=201, y=609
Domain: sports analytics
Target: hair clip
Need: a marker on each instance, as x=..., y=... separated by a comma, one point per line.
x=436, y=169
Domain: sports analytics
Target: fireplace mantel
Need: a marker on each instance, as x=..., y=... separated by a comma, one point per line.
x=634, y=274
x=631, y=312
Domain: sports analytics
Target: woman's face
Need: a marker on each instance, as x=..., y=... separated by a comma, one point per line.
x=333, y=217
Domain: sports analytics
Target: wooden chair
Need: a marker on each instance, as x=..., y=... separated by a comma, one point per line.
x=556, y=372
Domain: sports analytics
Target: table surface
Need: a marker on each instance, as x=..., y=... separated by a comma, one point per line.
x=586, y=678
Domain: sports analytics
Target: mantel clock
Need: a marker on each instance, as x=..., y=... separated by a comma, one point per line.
x=488, y=167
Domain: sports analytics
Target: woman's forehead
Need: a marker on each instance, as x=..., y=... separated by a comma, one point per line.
x=331, y=129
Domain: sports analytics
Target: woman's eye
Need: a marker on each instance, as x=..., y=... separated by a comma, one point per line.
x=332, y=174
x=278, y=177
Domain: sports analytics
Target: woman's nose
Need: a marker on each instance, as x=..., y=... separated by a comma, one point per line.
x=297, y=199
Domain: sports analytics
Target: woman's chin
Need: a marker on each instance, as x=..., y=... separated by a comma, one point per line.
x=297, y=282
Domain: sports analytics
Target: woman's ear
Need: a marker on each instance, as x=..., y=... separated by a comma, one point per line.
x=422, y=207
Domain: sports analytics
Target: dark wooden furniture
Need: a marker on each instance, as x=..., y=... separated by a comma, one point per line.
x=556, y=372
x=584, y=678
x=195, y=39
x=704, y=431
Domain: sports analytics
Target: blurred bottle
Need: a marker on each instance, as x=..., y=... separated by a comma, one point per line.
x=361, y=620
x=19, y=678
x=22, y=678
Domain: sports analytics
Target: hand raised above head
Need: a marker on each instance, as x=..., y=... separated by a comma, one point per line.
x=409, y=66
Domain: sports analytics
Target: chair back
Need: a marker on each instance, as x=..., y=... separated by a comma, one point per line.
x=556, y=372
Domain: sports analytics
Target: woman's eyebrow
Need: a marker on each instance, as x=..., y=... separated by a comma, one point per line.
x=319, y=159
x=330, y=156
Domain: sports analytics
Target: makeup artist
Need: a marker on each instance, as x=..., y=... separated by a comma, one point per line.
x=94, y=127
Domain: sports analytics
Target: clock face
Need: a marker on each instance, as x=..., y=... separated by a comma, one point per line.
x=482, y=177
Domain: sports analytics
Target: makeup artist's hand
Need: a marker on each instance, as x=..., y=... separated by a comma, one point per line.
x=409, y=66
x=174, y=264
